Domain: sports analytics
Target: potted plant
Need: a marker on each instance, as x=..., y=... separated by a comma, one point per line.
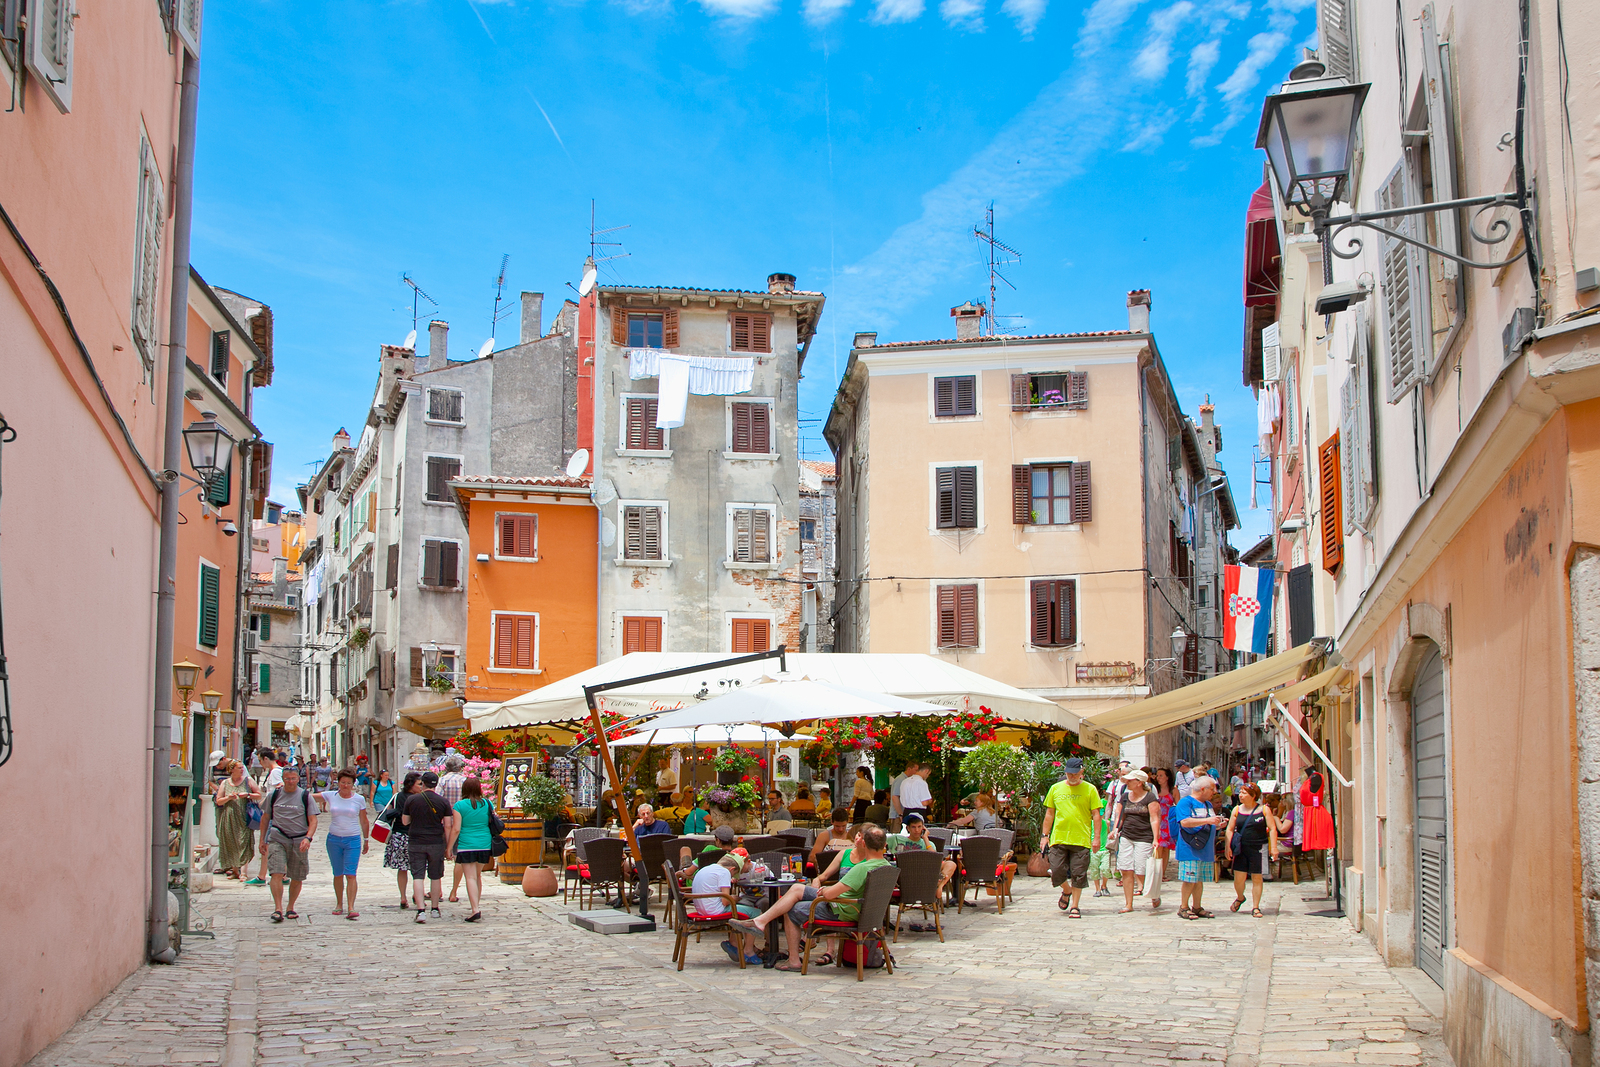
x=732, y=763
x=360, y=637
x=538, y=798
x=441, y=682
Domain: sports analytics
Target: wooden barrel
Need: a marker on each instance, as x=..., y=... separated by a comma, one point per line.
x=526, y=840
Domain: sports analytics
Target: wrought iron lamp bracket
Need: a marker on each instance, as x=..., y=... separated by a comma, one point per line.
x=1498, y=230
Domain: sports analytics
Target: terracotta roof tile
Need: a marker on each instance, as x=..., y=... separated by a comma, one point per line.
x=824, y=469
x=559, y=481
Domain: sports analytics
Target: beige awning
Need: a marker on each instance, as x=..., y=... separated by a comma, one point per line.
x=1190, y=702
x=440, y=719
x=1331, y=676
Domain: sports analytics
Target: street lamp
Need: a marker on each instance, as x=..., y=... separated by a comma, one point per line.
x=207, y=442
x=185, y=676
x=212, y=700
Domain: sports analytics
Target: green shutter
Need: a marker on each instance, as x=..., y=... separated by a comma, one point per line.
x=266, y=678
x=266, y=630
x=210, y=591
x=220, y=491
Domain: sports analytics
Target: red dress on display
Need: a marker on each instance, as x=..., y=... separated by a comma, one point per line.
x=1317, y=832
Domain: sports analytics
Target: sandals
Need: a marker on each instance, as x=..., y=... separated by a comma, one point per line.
x=291, y=914
x=339, y=910
x=352, y=915
x=1155, y=905
x=1065, y=901
x=825, y=960
x=474, y=917
x=1255, y=913
x=1201, y=913
x=1123, y=911
x=1074, y=913
x=277, y=916
x=1185, y=913
x=1236, y=905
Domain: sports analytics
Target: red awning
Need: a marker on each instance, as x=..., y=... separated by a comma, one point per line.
x=1263, y=259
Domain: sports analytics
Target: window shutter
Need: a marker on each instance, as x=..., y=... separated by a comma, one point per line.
x=669, y=328
x=967, y=616
x=416, y=668
x=760, y=428
x=760, y=537
x=188, y=26
x=944, y=396
x=210, y=602
x=966, y=493
x=1021, y=494
x=1441, y=139
x=649, y=634
x=1349, y=405
x=1364, y=443
x=150, y=229
x=435, y=478
x=508, y=535
x=945, y=491
x=1191, y=655
x=260, y=477
x=524, y=627
x=742, y=635
x=527, y=527
x=266, y=627
x=505, y=641
x=1271, y=368
x=1082, y=496
x=449, y=563
x=741, y=535
x=947, y=616
x=1302, y=618
x=741, y=428
x=392, y=568
x=633, y=533
x=430, y=562
x=371, y=508
x=1040, y=632
x=631, y=635
x=741, y=331
x=220, y=339
x=386, y=666
x=761, y=333
x=652, y=533
x=1332, y=517
x=967, y=395
x=619, y=326
x=760, y=635
x=1078, y=390
x=1335, y=31
x=265, y=675
x=1021, y=392
x=1399, y=298
x=220, y=492
x=643, y=433
x=1067, y=612
x=50, y=32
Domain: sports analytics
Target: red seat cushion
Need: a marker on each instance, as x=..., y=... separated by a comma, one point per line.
x=832, y=922
x=697, y=917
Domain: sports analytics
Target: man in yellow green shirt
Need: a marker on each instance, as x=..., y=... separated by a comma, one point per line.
x=1071, y=824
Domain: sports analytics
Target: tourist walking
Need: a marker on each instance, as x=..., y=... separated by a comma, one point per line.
x=861, y=794
x=431, y=826
x=472, y=843
x=1166, y=792
x=1252, y=836
x=234, y=794
x=450, y=782
x=382, y=791
x=347, y=839
x=1133, y=835
x=288, y=827
x=1071, y=822
x=397, y=853
x=271, y=778
x=1197, y=845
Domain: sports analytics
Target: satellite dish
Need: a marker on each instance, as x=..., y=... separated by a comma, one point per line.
x=411, y=340
x=578, y=463
x=488, y=346
x=587, y=284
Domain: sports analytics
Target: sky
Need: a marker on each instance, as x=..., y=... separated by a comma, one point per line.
x=852, y=143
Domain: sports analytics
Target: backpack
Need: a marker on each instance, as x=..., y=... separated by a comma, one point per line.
x=848, y=950
x=305, y=800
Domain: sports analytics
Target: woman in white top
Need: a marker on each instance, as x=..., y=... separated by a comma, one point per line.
x=347, y=839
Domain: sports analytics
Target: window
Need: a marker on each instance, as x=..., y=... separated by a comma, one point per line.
x=440, y=470
x=50, y=33
x=808, y=529
x=956, y=492
x=1359, y=493
x=958, y=616
x=391, y=567
x=641, y=432
x=1061, y=391
x=641, y=532
x=751, y=331
x=516, y=642
x=519, y=536
x=220, y=339
x=1053, y=612
x=1050, y=494
x=293, y=600
x=645, y=329
x=751, y=635
x=274, y=514
x=1177, y=553
x=150, y=227
x=265, y=683
x=441, y=564
x=955, y=396
x=445, y=405
x=264, y=631
x=338, y=534
x=641, y=633
x=751, y=530
x=785, y=767
x=210, y=604
x=751, y=429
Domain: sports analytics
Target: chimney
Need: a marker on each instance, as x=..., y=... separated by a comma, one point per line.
x=532, y=313
x=969, y=321
x=1139, y=311
x=438, y=344
x=280, y=577
x=866, y=340
x=341, y=439
x=780, y=283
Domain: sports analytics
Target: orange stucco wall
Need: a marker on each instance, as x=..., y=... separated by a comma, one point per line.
x=559, y=587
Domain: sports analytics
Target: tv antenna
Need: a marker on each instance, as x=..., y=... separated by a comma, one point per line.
x=1000, y=255
x=595, y=244
x=499, y=295
x=416, y=292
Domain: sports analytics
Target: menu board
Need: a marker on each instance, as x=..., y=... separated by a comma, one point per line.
x=514, y=770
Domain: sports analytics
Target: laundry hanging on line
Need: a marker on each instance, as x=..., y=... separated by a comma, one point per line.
x=708, y=375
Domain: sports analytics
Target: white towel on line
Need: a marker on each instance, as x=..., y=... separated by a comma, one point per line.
x=708, y=375
x=672, y=394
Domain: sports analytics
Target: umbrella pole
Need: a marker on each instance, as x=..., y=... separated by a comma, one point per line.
x=603, y=743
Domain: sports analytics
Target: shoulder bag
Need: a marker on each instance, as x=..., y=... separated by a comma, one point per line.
x=252, y=809
x=1196, y=837
x=498, y=846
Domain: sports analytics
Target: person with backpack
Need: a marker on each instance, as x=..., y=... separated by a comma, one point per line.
x=271, y=778
x=288, y=827
x=431, y=827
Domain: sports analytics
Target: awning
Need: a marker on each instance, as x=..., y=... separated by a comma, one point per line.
x=1218, y=693
x=439, y=720
x=772, y=702
x=1331, y=676
x=1263, y=259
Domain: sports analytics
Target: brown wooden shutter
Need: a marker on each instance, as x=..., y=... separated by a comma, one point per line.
x=524, y=626
x=760, y=428
x=386, y=668
x=508, y=535
x=1039, y=629
x=669, y=328
x=651, y=533
x=527, y=535
x=1082, y=497
x=449, y=563
x=741, y=535
x=372, y=511
x=1021, y=392
x=1191, y=656
x=741, y=331
x=643, y=433
x=504, y=641
x=967, y=616
x=760, y=635
x=416, y=668
x=1021, y=494
x=430, y=562
x=741, y=428
x=1067, y=612
x=761, y=333
x=945, y=498
x=947, y=616
x=966, y=398
x=619, y=326
x=260, y=477
x=391, y=570
x=633, y=533
x=631, y=635
x=649, y=634
x=966, y=498
x=1332, y=506
x=741, y=636
x=944, y=396
x=760, y=539
x=1078, y=390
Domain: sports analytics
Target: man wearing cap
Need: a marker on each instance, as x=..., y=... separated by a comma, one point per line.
x=1184, y=778
x=916, y=836
x=1071, y=822
x=431, y=828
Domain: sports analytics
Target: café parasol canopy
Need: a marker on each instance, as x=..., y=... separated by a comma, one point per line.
x=704, y=737
x=788, y=701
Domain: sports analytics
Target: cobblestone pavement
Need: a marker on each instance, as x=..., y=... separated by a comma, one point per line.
x=526, y=987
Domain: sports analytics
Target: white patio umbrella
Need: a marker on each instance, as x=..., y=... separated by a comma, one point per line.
x=731, y=734
x=785, y=701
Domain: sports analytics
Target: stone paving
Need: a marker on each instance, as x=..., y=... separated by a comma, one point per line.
x=526, y=987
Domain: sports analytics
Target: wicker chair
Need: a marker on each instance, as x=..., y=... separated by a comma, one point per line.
x=980, y=856
x=941, y=837
x=800, y=839
x=605, y=867
x=572, y=880
x=685, y=923
x=919, y=887
x=825, y=860
x=1006, y=838
x=652, y=850
x=865, y=930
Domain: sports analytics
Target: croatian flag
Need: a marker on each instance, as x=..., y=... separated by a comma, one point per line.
x=1246, y=608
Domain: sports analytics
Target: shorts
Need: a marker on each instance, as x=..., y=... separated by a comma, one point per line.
x=427, y=859
x=284, y=857
x=344, y=855
x=476, y=855
x=1252, y=860
x=1069, y=862
x=1100, y=864
x=1133, y=855
x=1196, y=871
x=811, y=908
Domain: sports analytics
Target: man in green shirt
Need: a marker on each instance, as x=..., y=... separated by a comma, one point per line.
x=1071, y=825
x=840, y=901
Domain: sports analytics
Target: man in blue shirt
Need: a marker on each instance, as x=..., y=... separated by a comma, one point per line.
x=1196, y=841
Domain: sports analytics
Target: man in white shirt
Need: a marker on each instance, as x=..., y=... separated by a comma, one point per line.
x=666, y=785
x=1183, y=779
x=915, y=796
x=894, y=787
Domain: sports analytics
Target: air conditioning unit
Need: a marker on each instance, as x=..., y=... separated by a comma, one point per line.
x=250, y=642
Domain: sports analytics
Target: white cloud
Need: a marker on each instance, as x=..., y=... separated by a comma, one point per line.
x=1153, y=59
x=1201, y=59
x=822, y=12
x=963, y=14
x=1146, y=131
x=1102, y=22
x=1264, y=48
x=888, y=11
x=740, y=9
x=1026, y=13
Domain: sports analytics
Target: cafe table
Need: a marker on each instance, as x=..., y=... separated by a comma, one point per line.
x=775, y=888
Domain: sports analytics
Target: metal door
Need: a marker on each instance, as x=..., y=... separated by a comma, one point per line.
x=1428, y=774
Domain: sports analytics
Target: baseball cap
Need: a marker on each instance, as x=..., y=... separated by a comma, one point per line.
x=1073, y=766
x=1136, y=773
x=429, y=778
x=723, y=834
x=913, y=816
x=1181, y=763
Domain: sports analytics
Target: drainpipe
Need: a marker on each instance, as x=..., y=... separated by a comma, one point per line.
x=158, y=943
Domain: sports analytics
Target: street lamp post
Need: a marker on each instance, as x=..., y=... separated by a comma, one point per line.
x=211, y=700
x=185, y=676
